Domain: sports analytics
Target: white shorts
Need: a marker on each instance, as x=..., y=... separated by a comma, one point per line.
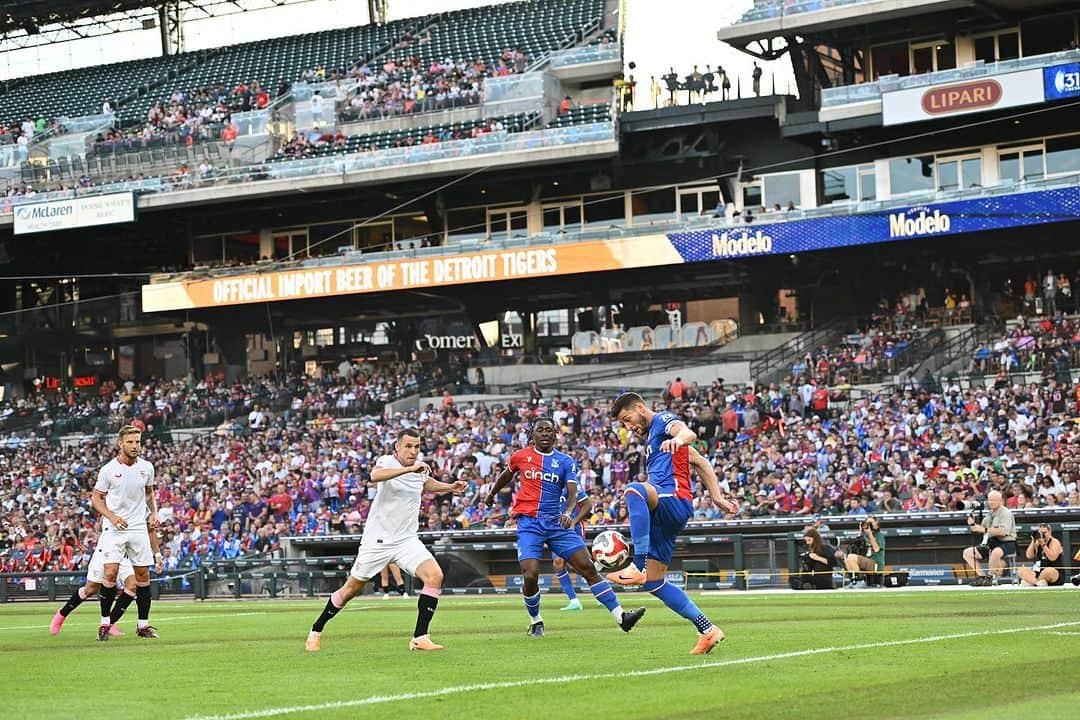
x=131, y=544
x=95, y=571
x=407, y=554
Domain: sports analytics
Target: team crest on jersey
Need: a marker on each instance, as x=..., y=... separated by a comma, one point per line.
x=554, y=463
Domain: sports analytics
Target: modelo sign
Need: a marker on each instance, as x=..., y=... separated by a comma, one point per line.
x=74, y=213
x=962, y=98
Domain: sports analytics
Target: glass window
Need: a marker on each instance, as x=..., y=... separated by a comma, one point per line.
x=984, y=49
x=751, y=195
x=1009, y=166
x=867, y=185
x=1033, y=165
x=922, y=60
x=1063, y=155
x=1008, y=46
x=971, y=172
x=1047, y=34
x=839, y=184
x=948, y=175
x=324, y=337
x=908, y=175
x=782, y=189
x=945, y=56
x=890, y=59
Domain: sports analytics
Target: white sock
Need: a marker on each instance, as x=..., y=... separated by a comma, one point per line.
x=106, y=621
x=617, y=613
x=143, y=623
x=537, y=619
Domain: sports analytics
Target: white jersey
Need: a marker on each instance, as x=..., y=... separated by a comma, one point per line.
x=125, y=490
x=395, y=512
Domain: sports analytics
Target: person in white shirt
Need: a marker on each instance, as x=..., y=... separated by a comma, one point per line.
x=124, y=497
x=390, y=537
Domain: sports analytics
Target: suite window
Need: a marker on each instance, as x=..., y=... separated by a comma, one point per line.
x=931, y=57
x=1063, y=155
x=782, y=189
x=890, y=59
x=854, y=183
x=997, y=46
x=911, y=175
x=957, y=173
x=1021, y=164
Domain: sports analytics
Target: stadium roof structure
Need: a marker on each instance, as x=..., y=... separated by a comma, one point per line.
x=29, y=23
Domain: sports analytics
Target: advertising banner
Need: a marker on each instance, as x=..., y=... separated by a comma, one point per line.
x=709, y=244
x=75, y=213
x=1061, y=81
x=962, y=98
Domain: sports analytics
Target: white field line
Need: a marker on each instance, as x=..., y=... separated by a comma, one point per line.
x=1064, y=633
x=165, y=618
x=479, y=687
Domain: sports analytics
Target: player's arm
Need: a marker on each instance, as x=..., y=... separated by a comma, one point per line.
x=681, y=436
x=98, y=501
x=504, y=479
x=584, y=509
x=151, y=502
x=707, y=475
x=155, y=545
x=381, y=474
x=438, y=486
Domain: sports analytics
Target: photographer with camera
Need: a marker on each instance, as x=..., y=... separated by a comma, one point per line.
x=998, y=528
x=867, y=554
x=1046, y=550
x=815, y=564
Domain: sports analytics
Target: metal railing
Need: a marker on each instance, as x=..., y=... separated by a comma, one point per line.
x=772, y=365
x=769, y=9
x=585, y=54
x=864, y=92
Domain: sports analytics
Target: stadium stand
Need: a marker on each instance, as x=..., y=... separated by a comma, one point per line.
x=582, y=115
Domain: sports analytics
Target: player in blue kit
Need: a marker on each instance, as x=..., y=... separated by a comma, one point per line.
x=579, y=510
x=660, y=508
x=546, y=474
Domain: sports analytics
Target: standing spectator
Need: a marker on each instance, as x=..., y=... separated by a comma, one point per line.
x=757, y=80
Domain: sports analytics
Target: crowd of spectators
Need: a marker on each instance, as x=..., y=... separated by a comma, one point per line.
x=1046, y=345
x=798, y=448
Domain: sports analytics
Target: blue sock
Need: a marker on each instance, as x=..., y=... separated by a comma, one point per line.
x=637, y=505
x=605, y=595
x=532, y=604
x=680, y=602
x=564, y=582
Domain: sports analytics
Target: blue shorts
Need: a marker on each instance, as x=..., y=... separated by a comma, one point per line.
x=578, y=529
x=532, y=533
x=666, y=522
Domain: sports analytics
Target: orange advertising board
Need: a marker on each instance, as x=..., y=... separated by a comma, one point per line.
x=410, y=273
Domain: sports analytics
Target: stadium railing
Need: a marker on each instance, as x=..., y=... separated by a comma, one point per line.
x=585, y=54
x=769, y=9
x=865, y=92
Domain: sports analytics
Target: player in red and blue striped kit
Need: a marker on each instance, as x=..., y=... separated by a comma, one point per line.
x=660, y=508
x=545, y=475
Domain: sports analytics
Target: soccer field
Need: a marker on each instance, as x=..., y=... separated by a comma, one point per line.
x=961, y=654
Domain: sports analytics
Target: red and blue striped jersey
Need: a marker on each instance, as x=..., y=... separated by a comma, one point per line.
x=543, y=479
x=668, y=472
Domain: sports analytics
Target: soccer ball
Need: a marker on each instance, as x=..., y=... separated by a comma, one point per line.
x=610, y=550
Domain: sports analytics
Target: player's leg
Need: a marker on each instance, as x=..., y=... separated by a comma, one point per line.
x=577, y=556
x=563, y=576
x=141, y=556
x=418, y=562
x=95, y=574
x=670, y=518
x=384, y=582
x=338, y=599
x=399, y=582
x=530, y=542
x=106, y=596
x=126, y=576
x=640, y=501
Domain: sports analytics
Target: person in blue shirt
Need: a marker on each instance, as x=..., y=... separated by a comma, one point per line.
x=660, y=507
x=562, y=574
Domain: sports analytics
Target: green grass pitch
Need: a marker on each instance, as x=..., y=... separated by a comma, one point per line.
x=884, y=654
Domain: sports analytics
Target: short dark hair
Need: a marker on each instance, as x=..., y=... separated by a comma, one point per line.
x=540, y=421
x=624, y=401
x=408, y=432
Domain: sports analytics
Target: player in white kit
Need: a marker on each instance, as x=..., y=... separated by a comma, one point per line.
x=390, y=537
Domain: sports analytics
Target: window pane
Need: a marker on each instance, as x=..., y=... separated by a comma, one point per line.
x=984, y=49
x=572, y=215
x=552, y=217
x=946, y=57
x=782, y=189
x=1008, y=46
x=709, y=200
x=922, y=60
x=971, y=171
x=839, y=184
x=1063, y=155
x=1033, y=165
x=867, y=186
x=907, y=175
x=890, y=59
x=751, y=197
x=948, y=175
x=689, y=204
x=1046, y=35
x=1009, y=167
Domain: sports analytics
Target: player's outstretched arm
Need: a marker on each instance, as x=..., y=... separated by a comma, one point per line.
x=500, y=482
x=381, y=474
x=707, y=475
x=438, y=486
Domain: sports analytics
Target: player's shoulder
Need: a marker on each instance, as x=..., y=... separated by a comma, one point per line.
x=523, y=455
x=388, y=461
x=562, y=458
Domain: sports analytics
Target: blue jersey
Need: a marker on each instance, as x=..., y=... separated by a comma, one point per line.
x=581, y=495
x=668, y=472
x=543, y=481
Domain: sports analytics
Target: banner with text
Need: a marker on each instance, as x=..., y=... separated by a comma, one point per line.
x=987, y=93
x=730, y=243
x=75, y=213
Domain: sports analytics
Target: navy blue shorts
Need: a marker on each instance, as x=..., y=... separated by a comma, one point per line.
x=666, y=522
x=533, y=533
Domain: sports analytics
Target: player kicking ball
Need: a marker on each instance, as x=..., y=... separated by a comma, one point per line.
x=546, y=474
x=390, y=537
x=582, y=508
x=660, y=508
